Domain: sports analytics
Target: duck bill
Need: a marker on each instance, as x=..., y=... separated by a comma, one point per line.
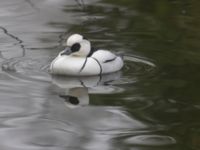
x=66, y=51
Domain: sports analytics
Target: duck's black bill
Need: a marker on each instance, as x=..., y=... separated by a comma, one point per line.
x=67, y=51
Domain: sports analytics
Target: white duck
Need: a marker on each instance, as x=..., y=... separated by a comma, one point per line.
x=80, y=59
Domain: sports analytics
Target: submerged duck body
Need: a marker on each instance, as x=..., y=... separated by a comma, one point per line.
x=82, y=60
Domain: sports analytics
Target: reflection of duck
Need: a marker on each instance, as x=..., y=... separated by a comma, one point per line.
x=76, y=97
x=80, y=59
x=76, y=89
x=95, y=84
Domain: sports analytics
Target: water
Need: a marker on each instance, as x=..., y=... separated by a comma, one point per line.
x=152, y=103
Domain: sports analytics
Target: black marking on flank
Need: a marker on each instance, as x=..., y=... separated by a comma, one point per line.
x=99, y=65
x=75, y=47
x=109, y=60
x=83, y=65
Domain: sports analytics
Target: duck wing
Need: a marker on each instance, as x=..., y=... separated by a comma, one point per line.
x=104, y=56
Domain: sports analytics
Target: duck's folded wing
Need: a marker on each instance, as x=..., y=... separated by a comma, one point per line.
x=104, y=56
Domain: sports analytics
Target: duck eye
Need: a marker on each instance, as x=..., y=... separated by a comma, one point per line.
x=75, y=47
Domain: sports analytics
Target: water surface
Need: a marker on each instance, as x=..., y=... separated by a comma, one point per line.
x=152, y=103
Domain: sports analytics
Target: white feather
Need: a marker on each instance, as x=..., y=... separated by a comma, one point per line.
x=78, y=64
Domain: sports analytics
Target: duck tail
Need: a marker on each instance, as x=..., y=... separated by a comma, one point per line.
x=120, y=54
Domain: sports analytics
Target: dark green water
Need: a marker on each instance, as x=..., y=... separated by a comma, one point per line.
x=152, y=103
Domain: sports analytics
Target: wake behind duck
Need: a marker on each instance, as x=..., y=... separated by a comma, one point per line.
x=80, y=59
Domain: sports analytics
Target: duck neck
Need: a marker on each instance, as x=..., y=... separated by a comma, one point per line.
x=92, y=50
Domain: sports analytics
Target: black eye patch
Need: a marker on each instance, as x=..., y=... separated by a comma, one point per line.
x=75, y=47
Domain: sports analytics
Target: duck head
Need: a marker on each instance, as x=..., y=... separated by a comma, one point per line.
x=74, y=38
x=77, y=45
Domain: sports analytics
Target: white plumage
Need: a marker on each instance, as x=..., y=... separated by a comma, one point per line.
x=79, y=59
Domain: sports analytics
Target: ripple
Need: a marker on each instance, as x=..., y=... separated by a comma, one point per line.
x=151, y=140
x=27, y=69
x=135, y=67
x=9, y=8
x=138, y=66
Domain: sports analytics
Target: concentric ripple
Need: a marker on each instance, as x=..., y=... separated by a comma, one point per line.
x=134, y=68
x=151, y=140
x=138, y=66
x=27, y=69
x=31, y=69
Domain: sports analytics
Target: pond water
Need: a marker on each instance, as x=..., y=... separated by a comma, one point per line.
x=152, y=103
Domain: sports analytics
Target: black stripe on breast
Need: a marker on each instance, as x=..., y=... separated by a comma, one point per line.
x=83, y=65
x=98, y=64
x=109, y=60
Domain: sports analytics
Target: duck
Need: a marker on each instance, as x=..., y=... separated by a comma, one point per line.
x=79, y=58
